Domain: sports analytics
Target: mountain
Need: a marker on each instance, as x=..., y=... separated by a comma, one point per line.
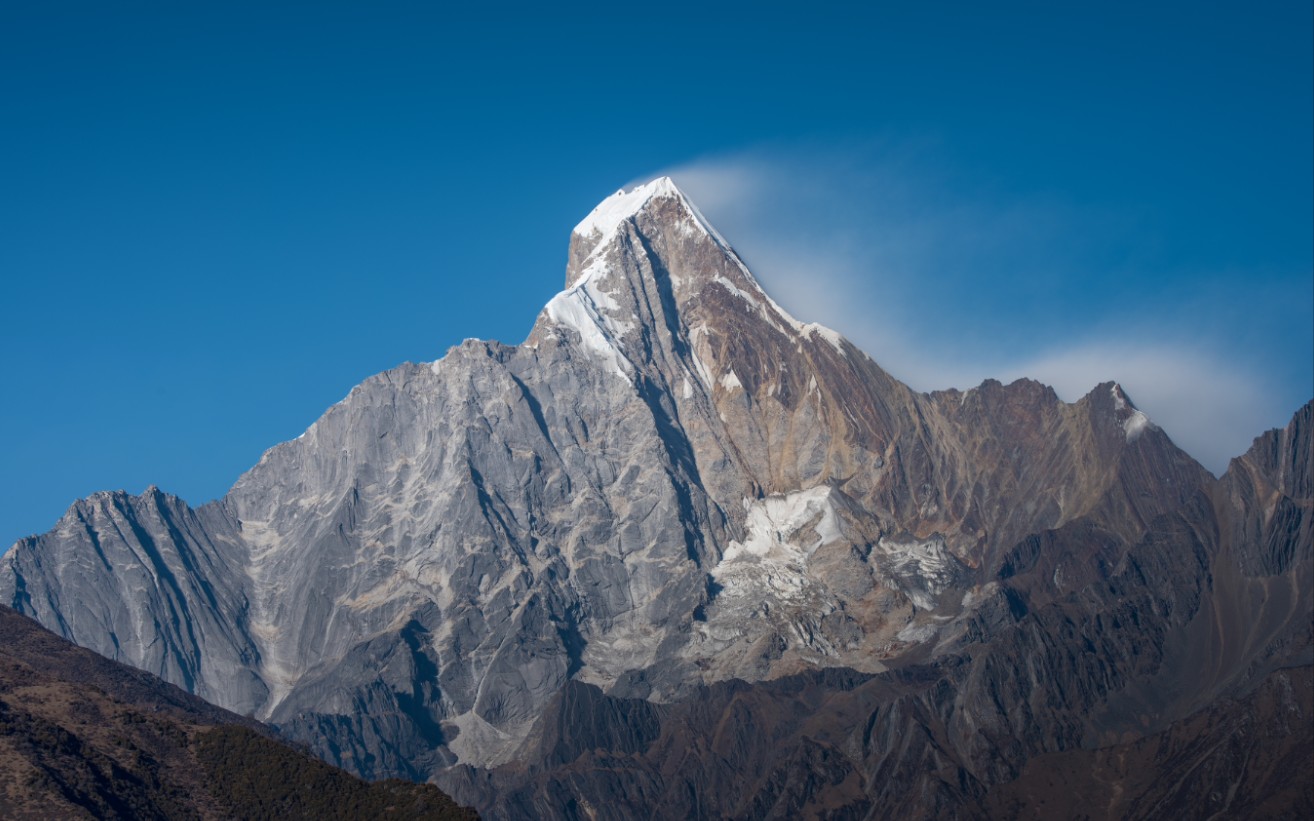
x=681, y=553
x=85, y=737
x=1172, y=678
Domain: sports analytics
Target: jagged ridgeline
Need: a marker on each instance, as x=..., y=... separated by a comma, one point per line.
x=679, y=554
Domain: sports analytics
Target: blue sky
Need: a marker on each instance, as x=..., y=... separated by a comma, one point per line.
x=215, y=219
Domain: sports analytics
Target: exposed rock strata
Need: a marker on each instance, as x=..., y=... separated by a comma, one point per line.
x=673, y=485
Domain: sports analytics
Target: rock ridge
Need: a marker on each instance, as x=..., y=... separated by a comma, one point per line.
x=671, y=492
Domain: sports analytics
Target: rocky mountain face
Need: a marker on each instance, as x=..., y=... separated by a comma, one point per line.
x=85, y=737
x=677, y=541
x=1099, y=678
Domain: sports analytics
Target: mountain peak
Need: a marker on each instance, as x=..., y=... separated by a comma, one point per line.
x=647, y=258
x=594, y=232
x=674, y=485
x=622, y=205
x=1134, y=421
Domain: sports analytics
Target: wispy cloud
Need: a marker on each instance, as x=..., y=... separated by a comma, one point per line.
x=1211, y=407
x=946, y=281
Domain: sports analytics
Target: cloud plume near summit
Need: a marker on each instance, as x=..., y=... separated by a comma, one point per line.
x=947, y=280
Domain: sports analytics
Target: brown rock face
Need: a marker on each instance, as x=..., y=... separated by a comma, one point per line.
x=680, y=554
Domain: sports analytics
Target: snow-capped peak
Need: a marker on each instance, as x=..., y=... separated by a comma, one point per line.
x=622, y=205
x=591, y=263
x=616, y=209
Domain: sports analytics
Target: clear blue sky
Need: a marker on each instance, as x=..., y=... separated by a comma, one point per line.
x=216, y=218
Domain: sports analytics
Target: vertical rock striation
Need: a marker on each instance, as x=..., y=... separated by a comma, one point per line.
x=677, y=536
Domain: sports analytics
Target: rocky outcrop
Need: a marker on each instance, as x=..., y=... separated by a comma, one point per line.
x=519, y=562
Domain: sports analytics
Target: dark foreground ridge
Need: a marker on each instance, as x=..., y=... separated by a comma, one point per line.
x=85, y=737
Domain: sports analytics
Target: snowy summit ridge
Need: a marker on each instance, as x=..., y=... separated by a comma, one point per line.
x=611, y=213
x=622, y=205
x=624, y=246
x=672, y=485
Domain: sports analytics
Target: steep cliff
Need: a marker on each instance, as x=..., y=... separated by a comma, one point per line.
x=672, y=491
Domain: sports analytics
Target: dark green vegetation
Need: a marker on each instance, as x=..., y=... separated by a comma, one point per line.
x=84, y=737
x=86, y=771
x=255, y=777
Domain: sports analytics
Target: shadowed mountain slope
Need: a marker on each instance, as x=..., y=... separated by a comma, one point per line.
x=85, y=737
x=522, y=563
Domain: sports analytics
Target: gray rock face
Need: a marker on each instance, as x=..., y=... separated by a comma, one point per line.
x=1096, y=678
x=147, y=580
x=669, y=485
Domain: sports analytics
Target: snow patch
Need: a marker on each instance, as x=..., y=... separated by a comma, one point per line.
x=622, y=205
x=1119, y=402
x=700, y=367
x=929, y=556
x=833, y=337
x=781, y=533
x=914, y=633
x=730, y=381
x=582, y=309
x=1135, y=425
x=608, y=217
x=923, y=567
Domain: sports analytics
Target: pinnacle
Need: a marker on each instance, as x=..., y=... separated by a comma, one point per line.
x=622, y=205
x=603, y=223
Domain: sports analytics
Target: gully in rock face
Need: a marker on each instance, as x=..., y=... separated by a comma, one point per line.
x=680, y=554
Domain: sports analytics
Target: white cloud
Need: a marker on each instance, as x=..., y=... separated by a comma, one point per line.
x=1212, y=408
x=945, y=288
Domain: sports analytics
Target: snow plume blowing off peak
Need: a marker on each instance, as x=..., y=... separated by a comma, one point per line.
x=652, y=241
x=636, y=261
x=673, y=486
